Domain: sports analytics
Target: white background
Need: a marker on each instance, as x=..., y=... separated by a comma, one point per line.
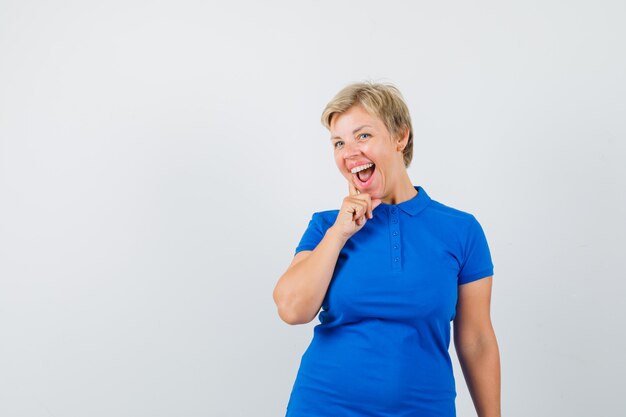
x=159, y=161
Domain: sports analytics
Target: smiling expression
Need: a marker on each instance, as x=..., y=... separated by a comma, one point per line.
x=358, y=138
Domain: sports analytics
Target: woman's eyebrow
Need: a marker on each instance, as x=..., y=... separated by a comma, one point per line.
x=353, y=132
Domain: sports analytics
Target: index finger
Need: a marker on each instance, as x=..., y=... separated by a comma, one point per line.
x=352, y=190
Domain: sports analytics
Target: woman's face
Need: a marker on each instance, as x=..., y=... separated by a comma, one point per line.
x=359, y=138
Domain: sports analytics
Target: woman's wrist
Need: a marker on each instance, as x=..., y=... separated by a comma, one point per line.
x=336, y=235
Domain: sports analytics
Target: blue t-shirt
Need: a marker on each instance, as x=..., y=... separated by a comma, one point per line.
x=381, y=348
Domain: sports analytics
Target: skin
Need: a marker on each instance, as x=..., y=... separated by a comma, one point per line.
x=476, y=346
x=374, y=143
x=474, y=336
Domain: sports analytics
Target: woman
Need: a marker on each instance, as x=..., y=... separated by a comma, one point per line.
x=391, y=269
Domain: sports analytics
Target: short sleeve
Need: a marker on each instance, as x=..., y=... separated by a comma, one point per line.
x=312, y=235
x=477, y=261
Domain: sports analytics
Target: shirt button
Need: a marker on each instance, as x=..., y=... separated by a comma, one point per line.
x=395, y=233
x=393, y=209
x=395, y=220
x=395, y=246
x=395, y=260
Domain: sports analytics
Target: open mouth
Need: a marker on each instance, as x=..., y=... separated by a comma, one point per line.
x=365, y=175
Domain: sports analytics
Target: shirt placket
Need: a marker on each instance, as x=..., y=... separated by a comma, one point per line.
x=394, y=234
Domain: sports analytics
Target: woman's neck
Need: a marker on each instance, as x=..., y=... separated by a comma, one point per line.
x=403, y=192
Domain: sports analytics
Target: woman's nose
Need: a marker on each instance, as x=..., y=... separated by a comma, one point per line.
x=350, y=149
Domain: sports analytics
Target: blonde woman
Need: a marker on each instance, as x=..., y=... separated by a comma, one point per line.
x=390, y=269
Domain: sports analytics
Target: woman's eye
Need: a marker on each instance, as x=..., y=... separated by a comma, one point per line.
x=337, y=143
x=364, y=134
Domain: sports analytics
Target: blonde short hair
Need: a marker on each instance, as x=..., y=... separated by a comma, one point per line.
x=381, y=100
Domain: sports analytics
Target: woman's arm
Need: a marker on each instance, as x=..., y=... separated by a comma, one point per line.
x=476, y=346
x=300, y=291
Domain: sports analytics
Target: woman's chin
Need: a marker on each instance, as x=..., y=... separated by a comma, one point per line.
x=372, y=190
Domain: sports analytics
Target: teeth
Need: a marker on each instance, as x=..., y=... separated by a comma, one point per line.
x=361, y=168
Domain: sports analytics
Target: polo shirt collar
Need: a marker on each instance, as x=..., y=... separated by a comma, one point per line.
x=415, y=204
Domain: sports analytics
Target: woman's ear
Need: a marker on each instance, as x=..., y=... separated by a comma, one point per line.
x=403, y=140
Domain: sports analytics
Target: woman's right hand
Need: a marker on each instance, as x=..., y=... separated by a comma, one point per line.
x=355, y=210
